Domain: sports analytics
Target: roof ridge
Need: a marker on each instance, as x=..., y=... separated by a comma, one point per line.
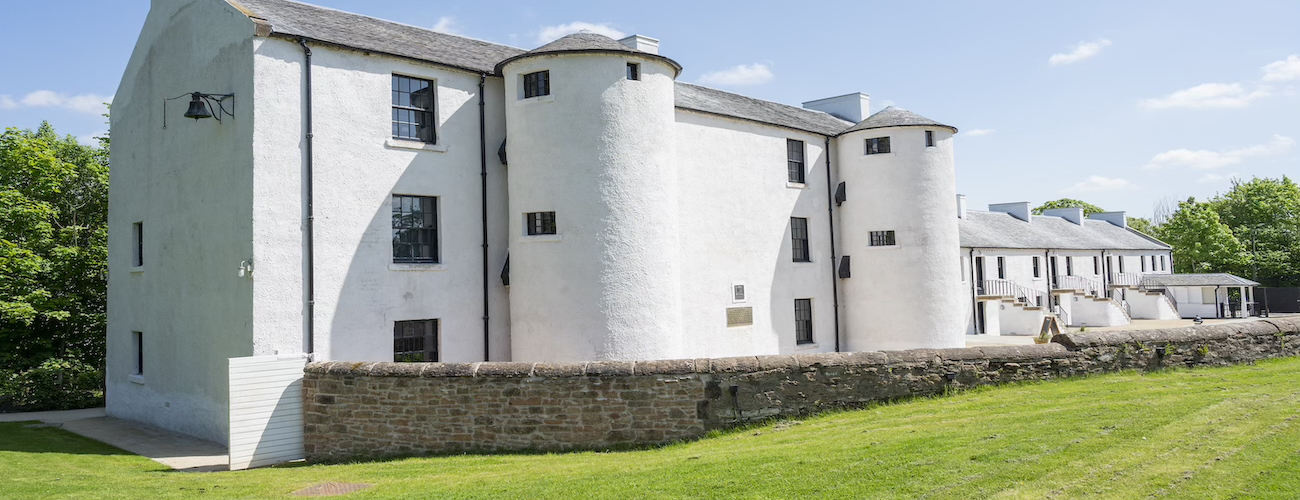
x=800, y=108
x=358, y=14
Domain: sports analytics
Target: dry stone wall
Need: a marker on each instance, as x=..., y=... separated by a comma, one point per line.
x=389, y=409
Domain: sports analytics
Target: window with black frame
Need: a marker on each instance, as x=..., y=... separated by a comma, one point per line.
x=803, y=327
x=794, y=155
x=413, y=100
x=415, y=341
x=877, y=145
x=882, y=238
x=415, y=229
x=540, y=223
x=537, y=84
x=799, y=240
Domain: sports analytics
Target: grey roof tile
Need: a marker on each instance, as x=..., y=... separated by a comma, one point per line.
x=893, y=116
x=586, y=42
x=1000, y=230
x=713, y=101
x=1207, y=279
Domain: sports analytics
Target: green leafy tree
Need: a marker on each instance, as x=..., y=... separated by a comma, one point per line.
x=1202, y=243
x=1143, y=225
x=1088, y=208
x=53, y=248
x=1264, y=214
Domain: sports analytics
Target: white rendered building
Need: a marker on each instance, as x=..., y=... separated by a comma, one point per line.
x=354, y=197
x=1018, y=268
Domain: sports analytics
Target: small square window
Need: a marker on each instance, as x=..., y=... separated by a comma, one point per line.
x=137, y=346
x=799, y=240
x=803, y=327
x=794, y=156
x=738, y=293
x=633, y=71
x=882, y=238
x=137, y=244
x=877, y=145
x=415, y=341
x=540, y=223
x=929, y=138
x=537, y=84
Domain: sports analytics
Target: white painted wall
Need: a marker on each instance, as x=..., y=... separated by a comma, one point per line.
x=192, y=186
x=1144, y=306
x=1016, y=320
x=1086, y=311
x=908, y=295
x=736, y=204
x=599, y=152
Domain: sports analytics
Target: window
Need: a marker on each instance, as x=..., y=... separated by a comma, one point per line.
x=929, y=138
x=137, y=342
x=137, y=238
x=1002, y=268
x=877, y=145
x=799, y=240
x=964, y=273
x=803, y=333
x=537, y=84
x=1121, y=263
x=738, y=293
x=1153, y=263
x=633, y=71
x=415, y=341
x=413, y=109
x=794, y=160
x=415, y=229
x=540, y=223
x=1069, y=265
x=1096, y=265
x=1162, y=263
x=1038, y=272
x=882, y=238
x=1143, y=261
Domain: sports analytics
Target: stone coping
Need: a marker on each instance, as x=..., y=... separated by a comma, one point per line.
x=1062, y=346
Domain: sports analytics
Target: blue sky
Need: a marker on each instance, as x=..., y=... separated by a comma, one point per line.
x=1119, y=103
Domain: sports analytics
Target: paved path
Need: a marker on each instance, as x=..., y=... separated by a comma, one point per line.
x=1137, y=324
x=174, y=450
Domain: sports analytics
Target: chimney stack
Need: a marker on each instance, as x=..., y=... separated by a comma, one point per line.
x=1116, y=218
x=853, y=107
x=961, y=206
x=642, y=43
x=1074, y=214
x=1019, y=209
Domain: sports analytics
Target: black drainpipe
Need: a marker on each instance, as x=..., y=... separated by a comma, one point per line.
x=830, y=221
x=482, y=153
x=974, y=301
x=309, y=258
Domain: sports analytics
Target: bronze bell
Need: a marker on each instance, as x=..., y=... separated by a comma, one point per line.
x=197, y=108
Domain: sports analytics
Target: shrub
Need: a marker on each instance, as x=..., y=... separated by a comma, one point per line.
x=56, y=384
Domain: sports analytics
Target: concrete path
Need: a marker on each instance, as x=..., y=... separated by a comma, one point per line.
x=178, y=451
x=1137, y=324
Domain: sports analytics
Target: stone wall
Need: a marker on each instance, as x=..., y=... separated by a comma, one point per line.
x=387, y=409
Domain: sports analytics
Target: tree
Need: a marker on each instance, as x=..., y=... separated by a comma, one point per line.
x=1264, y=214
x=1143, y=225
x=1202, y=243
x=1088, y=208
x=53, y=248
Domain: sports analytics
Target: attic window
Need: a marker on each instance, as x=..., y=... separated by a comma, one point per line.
x=537, y=84
x=877, y=146
x=929, y=138
x=633, y=71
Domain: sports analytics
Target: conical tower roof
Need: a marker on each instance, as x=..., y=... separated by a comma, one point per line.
x=587, y=42
x=896, y=117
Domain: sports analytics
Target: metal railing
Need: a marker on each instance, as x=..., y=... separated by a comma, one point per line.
x=1008, y=288
x=1168, y=294
x=1088, y=286
x=1126, y=279
x=1061, y=314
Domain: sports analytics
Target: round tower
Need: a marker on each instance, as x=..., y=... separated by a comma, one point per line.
x=594, y=271
x=899, y=227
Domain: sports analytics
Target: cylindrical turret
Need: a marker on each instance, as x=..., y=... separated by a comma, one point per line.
x=594, y=251
x=899, y=225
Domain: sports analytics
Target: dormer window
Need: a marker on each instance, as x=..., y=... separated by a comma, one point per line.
x=877, y=145
x=537, y=84
x=633, y=71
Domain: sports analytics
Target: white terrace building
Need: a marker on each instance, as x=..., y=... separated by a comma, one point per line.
x=358, y=200
x=1018, y=268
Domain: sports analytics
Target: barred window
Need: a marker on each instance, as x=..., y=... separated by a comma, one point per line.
x=799, y=239
x=540, y=223
x=794, y=160
x=415, y=341
x=877, y=145
x=803, y=327
x=537, y=84
x=882, y=238
x=415, y=229
x=413, y=109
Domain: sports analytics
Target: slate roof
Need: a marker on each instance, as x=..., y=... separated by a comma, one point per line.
x=293, y=19
x=893, y=116
x=586, y=43
x=1209, y=279
x=1001, y=230
x=713, y=101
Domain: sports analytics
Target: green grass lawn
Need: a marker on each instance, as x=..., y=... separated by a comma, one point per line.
x=1209, y=433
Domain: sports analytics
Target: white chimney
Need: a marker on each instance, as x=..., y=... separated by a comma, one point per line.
x=1073, y=214
x=853, y=107
x=1019, y=209
x=1116, y=218
x=642, y=43
x=961, y=206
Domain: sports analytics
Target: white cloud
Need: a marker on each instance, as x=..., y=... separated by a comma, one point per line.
x=91, y=139
x=744, y=74
x=448, y=25
x=1216, y=178
x=978, y=132
x=548, y=34
x=1204, y=160
x=1207, y=95
x=1081, y=51
x=1096, y=183
x=83, y=103
x=1283, y=71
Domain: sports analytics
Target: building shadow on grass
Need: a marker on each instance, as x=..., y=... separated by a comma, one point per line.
x=36, y=437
